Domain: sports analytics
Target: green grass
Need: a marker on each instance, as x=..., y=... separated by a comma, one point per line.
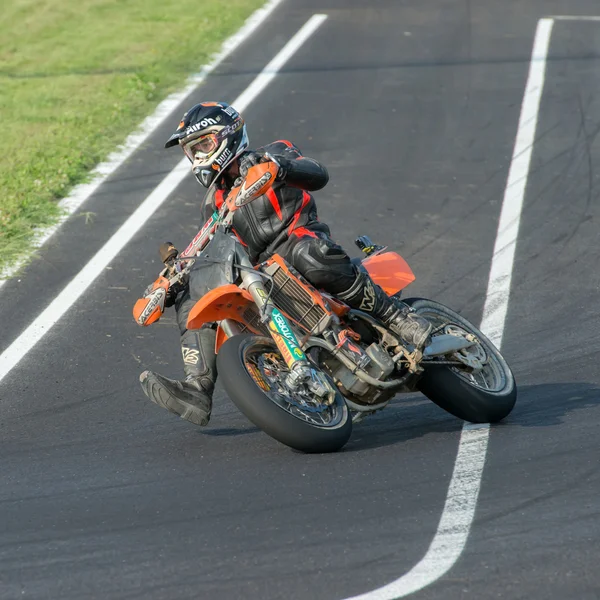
x=76, y=77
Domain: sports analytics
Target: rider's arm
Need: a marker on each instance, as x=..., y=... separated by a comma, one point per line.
x=297, y=170
x=304, y=173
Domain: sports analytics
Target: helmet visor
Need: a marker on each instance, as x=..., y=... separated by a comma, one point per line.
x=202, y=147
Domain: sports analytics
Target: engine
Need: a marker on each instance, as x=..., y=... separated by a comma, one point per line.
x=380, y=365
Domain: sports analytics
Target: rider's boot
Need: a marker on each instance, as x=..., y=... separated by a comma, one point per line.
x=392, y=312
x=191, y=398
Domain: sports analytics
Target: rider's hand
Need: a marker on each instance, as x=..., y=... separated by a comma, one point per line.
x=248, y=160
x=284, y=165
x=172, y=294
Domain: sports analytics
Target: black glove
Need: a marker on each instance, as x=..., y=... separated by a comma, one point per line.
x=248, y=160
x=172, y=294
x=284, y=165
x=167, y=252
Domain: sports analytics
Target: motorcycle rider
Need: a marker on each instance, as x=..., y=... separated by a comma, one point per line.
x=284, y=220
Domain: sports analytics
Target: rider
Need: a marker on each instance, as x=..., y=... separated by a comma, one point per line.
x=284, y=220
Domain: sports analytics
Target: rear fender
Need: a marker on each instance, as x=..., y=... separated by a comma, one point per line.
x=390, y=271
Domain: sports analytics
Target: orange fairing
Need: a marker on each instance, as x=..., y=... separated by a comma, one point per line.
x=224, y=302
x=390, y=271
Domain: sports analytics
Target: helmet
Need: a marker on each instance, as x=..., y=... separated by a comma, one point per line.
x=212, y=135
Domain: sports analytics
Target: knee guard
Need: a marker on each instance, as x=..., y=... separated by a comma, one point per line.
x=324, y=264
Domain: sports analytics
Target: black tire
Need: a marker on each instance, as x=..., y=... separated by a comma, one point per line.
x=265, y=413
x=451, y=391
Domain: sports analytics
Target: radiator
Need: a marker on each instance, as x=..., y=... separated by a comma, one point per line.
x=292, y=297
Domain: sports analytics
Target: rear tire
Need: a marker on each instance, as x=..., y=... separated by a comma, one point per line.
x=449, y=388
x=267, y=413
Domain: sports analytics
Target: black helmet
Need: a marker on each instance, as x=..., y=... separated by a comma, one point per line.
x=212, y=135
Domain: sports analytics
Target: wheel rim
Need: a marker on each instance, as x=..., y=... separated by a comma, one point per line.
x=268, y=370
x=492, y=377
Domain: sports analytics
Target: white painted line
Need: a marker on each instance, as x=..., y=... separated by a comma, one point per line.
x=459, y=510
x=574, y=18
x=81, y=193
x=496, y=303
x=63, y=302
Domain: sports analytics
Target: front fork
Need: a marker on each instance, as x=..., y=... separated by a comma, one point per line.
x=285, y=339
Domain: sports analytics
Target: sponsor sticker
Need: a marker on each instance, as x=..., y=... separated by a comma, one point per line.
x=207, y=227
x=287, y=343
x=283, y=348
x=249, y=192
x=223, y=157
x=257, y=376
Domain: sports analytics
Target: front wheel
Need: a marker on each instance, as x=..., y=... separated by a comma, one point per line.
x=484, y=394
x=253, y=374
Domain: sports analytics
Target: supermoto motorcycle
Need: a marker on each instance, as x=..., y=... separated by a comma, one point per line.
x=302, y=365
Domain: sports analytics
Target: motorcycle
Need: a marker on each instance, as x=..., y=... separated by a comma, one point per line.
x=302, y=365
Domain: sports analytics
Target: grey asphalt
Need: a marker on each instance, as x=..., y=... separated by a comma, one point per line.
x=414, y=109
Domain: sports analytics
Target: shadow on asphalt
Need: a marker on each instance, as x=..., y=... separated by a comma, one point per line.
x=547, y=404
x=537, y=406
x=399, y=423
x=229, y=431
x=541, y=405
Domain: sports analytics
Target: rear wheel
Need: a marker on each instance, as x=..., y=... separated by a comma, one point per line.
x=481, y=387
x=254, y=372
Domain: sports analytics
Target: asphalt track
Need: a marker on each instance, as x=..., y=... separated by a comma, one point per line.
x=414, y=109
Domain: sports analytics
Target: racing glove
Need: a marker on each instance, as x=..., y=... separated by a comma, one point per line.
x=248, y=160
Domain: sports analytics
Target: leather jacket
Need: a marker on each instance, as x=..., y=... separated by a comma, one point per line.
x=286, y=209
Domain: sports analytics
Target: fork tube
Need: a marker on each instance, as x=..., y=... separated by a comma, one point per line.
x=230, y=327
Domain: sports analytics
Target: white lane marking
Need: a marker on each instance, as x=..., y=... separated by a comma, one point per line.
x=81, y=193
x=575, y=18
x=496, y=302
x=459, y=509
x=61, y=304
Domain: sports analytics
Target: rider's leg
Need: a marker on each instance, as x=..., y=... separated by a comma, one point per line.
x=190, y=398
x=327, y=266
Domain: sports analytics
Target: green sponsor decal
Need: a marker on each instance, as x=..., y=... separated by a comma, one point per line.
x=280, y=325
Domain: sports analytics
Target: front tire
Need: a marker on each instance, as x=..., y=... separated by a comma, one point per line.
x=455, y=389
x=241, y=363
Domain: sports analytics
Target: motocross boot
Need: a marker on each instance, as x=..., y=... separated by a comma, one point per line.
x=190, y=399
x=393, y=313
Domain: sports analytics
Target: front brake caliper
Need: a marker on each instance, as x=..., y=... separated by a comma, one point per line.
x=320, y=386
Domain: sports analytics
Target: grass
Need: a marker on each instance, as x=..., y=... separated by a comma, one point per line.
x=76, y=77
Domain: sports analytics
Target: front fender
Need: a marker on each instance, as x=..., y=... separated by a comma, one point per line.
x=224, y=302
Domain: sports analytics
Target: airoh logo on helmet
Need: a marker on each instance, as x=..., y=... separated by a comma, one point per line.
x=201, y=125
